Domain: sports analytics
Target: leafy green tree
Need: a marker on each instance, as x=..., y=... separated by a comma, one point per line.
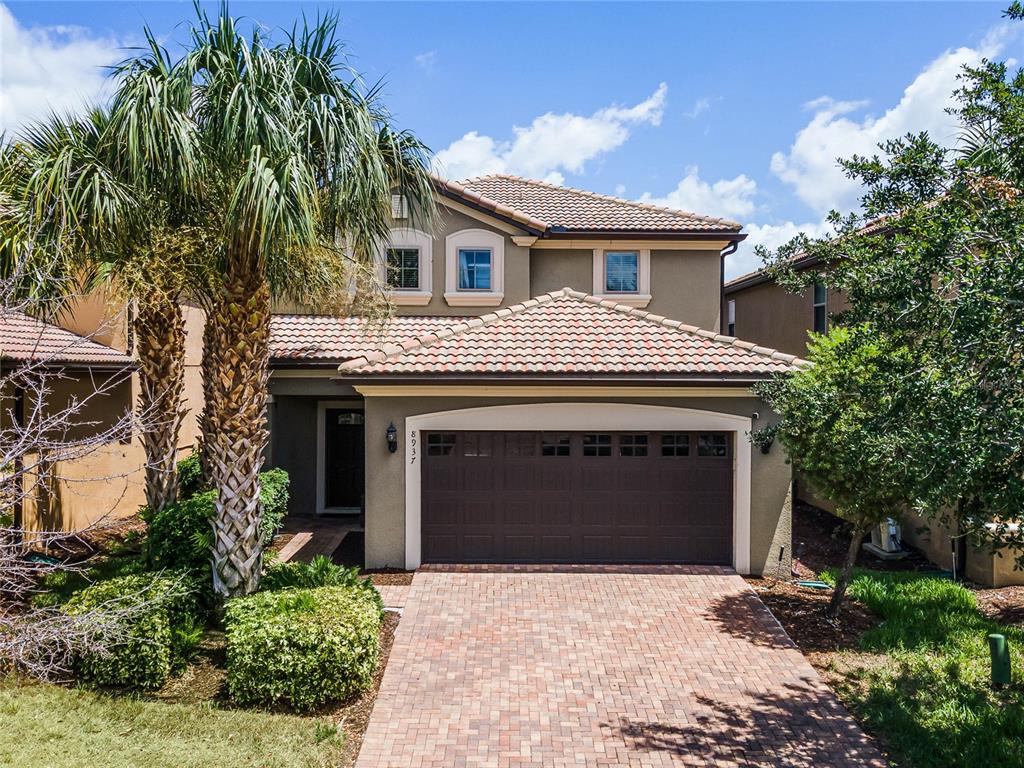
x=844, y=423
x=297, y=163
x=932, y=264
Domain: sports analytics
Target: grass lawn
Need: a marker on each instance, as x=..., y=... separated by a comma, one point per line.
x=66, y=728
x=920, y=680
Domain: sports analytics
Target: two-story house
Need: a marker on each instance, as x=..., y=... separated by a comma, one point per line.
x=759, y=309
x=555, y=386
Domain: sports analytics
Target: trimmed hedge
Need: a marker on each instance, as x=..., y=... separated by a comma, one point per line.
x=161, y=635
x=302, y=647
x=321, y=572
x=180, y=537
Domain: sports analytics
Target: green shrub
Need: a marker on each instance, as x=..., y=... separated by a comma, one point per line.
x=319, y=573
x=160, y=635
x=302, y=647
x=180, y=537
x=190, y=476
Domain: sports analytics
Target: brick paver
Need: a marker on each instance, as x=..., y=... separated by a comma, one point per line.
x=600, y=667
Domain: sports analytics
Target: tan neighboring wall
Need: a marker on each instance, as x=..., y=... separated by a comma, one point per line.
x=770, y=512
x=109, y=482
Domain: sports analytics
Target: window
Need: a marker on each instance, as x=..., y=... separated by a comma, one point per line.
x=621, y=272
x=623, y=275
x=731, y=318
x=675, y=444
x=597, y=445
x=399, y=207
x=404, y=268
x=477, y=444
x=555, y=445
x=520, y=444
x=440, y=444
x=820, y=308
x=712, y=444
x=632, y=445
x=474, y=269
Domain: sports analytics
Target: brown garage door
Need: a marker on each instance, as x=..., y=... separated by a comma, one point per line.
x=574, y=497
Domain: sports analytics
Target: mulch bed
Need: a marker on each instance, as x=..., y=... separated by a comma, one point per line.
x=389, y=577
x=1004, y=604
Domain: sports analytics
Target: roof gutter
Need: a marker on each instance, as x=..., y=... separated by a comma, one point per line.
x=564, y=233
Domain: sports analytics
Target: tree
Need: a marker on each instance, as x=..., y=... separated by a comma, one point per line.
x=845, y=423
x=126, y=232
x=932, y=264
x=299, y=163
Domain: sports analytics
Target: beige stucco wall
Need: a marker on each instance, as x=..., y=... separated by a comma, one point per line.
x=385, y=474
x=684, y=283
x=769, y=315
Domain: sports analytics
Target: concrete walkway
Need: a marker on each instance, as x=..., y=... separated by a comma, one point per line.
x=600, y=667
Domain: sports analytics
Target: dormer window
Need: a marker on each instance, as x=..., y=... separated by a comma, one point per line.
x=475, y=269
x=403, y=269
x=406, y=266
x=474, y=261
x=623, y=275
x=621, y=271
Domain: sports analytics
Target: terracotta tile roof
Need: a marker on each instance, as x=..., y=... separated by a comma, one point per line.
x=545, y=206
x=568, y=332
x=326, y=338
x=24, y=339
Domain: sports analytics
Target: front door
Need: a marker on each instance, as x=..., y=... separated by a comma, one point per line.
x=344, y=460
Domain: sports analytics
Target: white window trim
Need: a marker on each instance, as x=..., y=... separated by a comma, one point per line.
x=814, y=307
x=639, y=299
x=474, y=238
x=405, y=237
x=730, y=317
x=577, y=417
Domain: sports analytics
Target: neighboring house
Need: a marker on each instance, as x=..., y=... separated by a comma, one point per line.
x=555, y=387
x=760, y=310
x=68, y=493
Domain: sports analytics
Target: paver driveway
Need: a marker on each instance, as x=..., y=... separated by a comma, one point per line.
x=611, y=666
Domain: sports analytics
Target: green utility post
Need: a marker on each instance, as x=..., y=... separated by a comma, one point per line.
x=1000, y=651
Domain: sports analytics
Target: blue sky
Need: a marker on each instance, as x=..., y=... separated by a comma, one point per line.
x=729, y=109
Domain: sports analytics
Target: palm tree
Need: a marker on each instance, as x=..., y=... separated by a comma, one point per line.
x=299, y=164
x=107, y=224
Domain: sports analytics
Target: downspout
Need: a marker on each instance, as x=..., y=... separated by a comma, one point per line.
x=730, y=249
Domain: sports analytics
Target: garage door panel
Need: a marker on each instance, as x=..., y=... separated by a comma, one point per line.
x=577, y=497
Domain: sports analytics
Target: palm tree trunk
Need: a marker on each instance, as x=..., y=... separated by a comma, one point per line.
x=160, y=343
x=236, y=414
x=860, y=530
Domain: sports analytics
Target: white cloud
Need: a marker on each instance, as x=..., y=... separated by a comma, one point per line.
x=552, y=143
x=728, y=198
x=44, y=69
x=834, y=131
x=426, y=60
x=771, y=236
x=700, y=106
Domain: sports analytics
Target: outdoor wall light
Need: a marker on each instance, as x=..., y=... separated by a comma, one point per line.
x=392, y=438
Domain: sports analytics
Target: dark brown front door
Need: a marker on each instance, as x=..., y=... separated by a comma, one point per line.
x=344, y=460
x=574, y=497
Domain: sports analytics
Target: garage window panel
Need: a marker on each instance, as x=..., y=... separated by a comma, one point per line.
x=477, y=444
x=633, y=445
x=675, y=444
x=441, y=444
x=713, y=444
x=597, y=444
x=556, y=445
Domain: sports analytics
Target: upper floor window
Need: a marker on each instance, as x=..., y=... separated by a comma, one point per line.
x=403, y=268
x=730, y=309
x=623, y=275
x=474, y=263
x=474, y=269
x=820, y=308
x=621, y=271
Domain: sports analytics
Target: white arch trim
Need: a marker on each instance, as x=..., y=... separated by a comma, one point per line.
x=613, y=417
